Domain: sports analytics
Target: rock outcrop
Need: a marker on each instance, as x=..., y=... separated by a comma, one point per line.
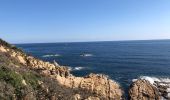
x=95, y=83
x=69, y=87
x=150, y=88
x=143, y=90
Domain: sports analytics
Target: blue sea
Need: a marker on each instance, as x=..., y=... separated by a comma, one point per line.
x=122, y=61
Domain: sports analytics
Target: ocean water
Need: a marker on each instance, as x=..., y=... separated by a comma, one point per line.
x=122, y=61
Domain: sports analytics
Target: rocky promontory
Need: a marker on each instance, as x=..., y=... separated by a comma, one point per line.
x=24, y=77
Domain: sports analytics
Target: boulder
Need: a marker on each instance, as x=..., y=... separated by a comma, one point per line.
x=143, y=90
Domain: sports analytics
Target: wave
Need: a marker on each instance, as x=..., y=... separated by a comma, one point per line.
x=153, y=80
x=78, y=68
x=86, y=55
x=56, y=55
x=69, y=68
x=75, y=68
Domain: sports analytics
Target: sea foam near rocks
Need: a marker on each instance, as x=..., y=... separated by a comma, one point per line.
x=153, y=80
x=50, y=55
x=76, y=68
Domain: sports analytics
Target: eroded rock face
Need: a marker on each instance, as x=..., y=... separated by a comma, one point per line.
x=34, y=63
x=47, y=67
x=95, y=83
x=151, y=88
x=143, y=90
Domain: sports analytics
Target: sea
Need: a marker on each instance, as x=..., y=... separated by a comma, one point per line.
x=122, y=61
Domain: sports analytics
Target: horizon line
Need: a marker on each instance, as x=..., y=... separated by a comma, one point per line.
x=95, y=41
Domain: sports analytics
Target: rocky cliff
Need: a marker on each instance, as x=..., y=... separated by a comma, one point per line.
x=150, y=88
x=143, y=90
x=23, y=77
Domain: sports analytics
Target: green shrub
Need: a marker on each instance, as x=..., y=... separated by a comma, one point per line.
x=31, y=79
x=11, y=77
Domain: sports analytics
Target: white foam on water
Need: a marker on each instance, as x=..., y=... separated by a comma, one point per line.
x=168, y=90
x=86, y=55
x=134, y=80
x=69, y=68
x=152, y=80
x=56, y=55
x=78, y=68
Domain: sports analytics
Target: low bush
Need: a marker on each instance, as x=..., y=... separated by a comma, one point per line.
x=31, y=79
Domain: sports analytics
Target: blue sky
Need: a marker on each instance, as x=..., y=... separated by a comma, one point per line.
x=30, y=21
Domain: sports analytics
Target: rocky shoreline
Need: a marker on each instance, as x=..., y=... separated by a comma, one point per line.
x=55, y=82
x=150, y=87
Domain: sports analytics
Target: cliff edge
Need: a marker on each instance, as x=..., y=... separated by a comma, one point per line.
x=24, y=77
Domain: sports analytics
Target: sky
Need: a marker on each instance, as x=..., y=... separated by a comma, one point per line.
x=39, y=21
